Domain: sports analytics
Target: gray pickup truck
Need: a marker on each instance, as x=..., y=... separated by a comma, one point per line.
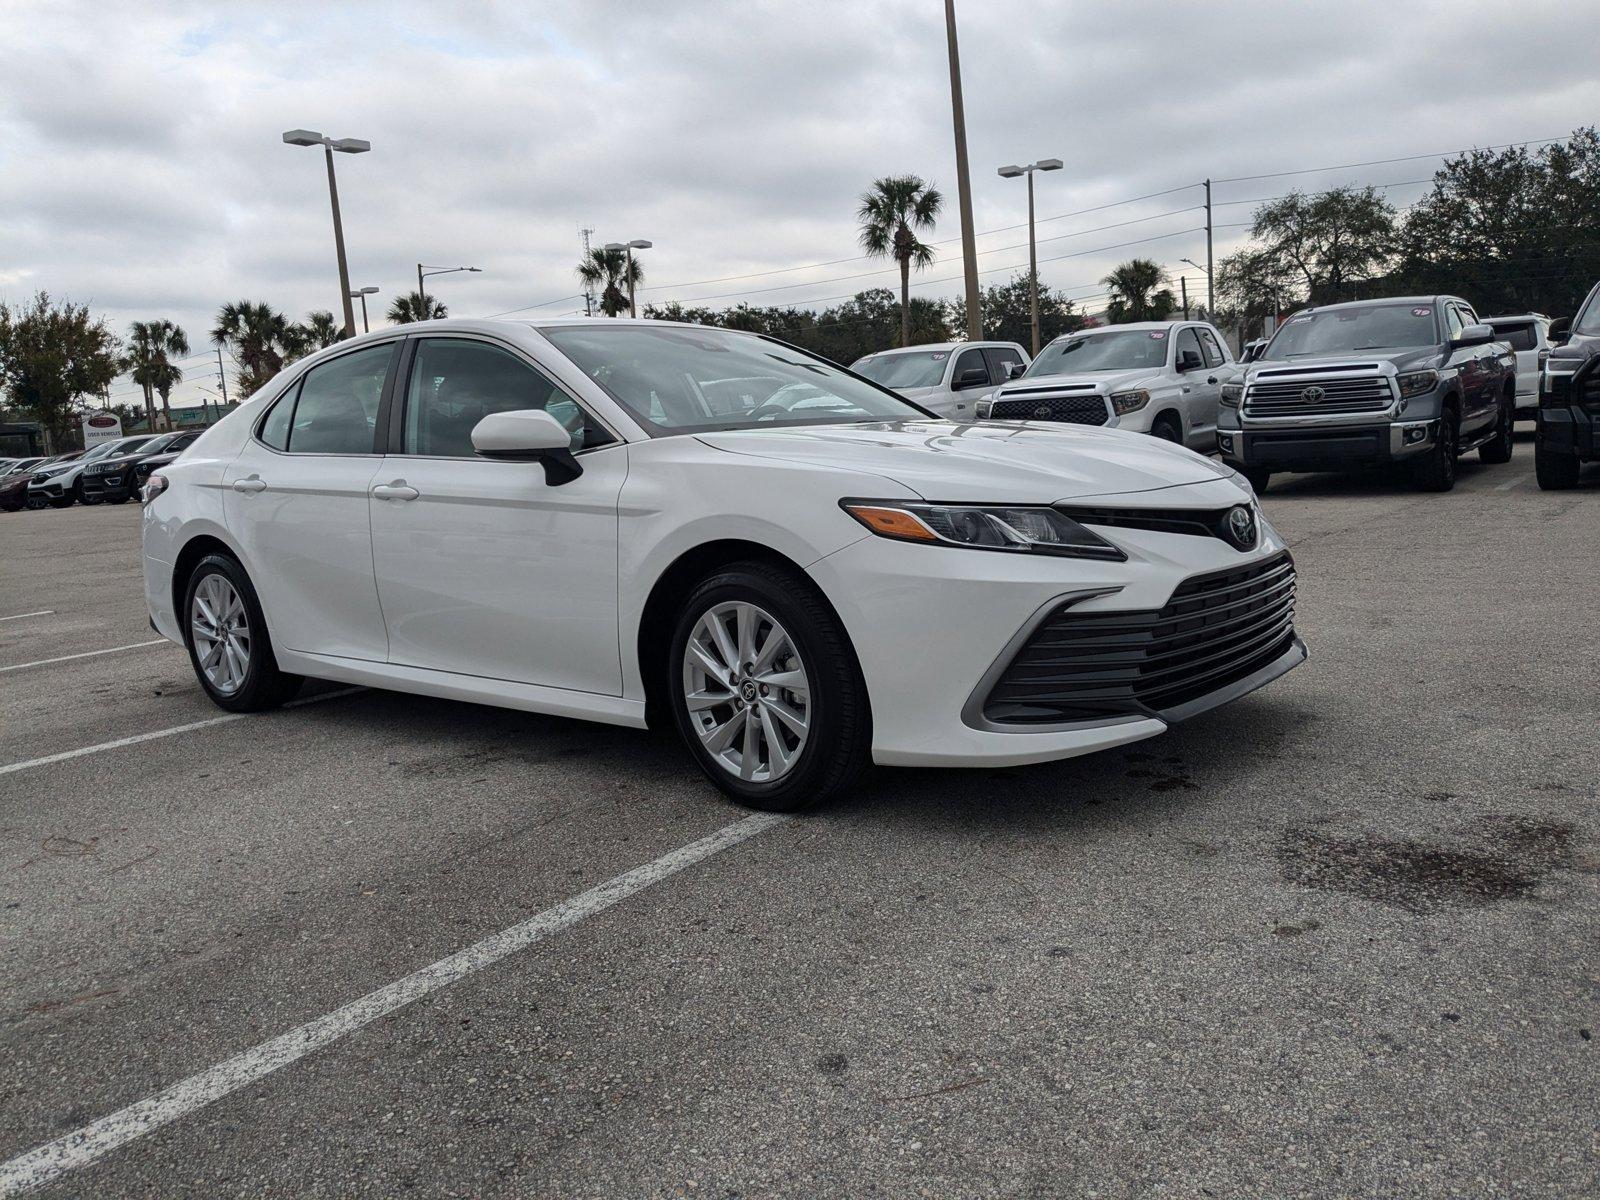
x=1417, y=380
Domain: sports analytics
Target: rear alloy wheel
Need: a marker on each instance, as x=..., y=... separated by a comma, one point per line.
x=766, y=690
x=1436, y=469
x=227, y=639
x=1498, y=448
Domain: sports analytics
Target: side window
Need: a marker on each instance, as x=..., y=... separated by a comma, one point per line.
x=1209, y=348
x=966, y=361
x=1187, y=340
x=275, y=429
x=334, y=408
x=1452, y=320
x=456, y=382
x=1001, y=360
x=1468, y=317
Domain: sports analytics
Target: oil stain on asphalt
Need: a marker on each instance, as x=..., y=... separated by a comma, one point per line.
x=1498, y=859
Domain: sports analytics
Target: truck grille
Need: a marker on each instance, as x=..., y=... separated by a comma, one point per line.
x=1216, y=630
x=1076, y=410
x=1288, y=397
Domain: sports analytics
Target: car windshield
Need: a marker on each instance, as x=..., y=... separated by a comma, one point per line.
x=1587, y=322
x=1123, y=350
x=690, y=379
x=155, y=445
x=911, y=369
x=1351, y=330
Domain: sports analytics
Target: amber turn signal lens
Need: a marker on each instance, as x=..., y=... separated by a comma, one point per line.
x=892, y=522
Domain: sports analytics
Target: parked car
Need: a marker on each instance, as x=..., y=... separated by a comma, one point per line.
x=1417, y=380
x=1569, y=399
x=549, y=515
x=1157, y=377
x=115, y=478
x=13, y=466
x=148, y=463
x=949, y=379
x=56, y=484
x=1528, y=336
x=14, y=490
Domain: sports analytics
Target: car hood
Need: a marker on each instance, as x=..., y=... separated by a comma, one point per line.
x=1414, y=359
x=1009, y=462
x=1103, y=381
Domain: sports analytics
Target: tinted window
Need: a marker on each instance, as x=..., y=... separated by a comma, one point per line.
x=1209, y=347
x=1587, y=322
x=1521, y=336
x=1343, y=330
x=914, y=369
x=275, y=429
x=456, y=382
x=1189, y=341
x=970, y=360
x=1453, y=322
x=660, y=373
x=1001, y=360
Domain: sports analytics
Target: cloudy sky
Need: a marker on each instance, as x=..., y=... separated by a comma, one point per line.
x=142, y=172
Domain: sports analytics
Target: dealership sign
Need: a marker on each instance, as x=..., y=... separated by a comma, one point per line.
x=100, y=427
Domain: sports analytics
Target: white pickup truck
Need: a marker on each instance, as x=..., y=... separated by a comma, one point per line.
x=948, y=378
x=1159, y=377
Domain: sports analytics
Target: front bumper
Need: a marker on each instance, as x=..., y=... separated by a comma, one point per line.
x=1325, y=447
x=106, y=487
x=930, y=625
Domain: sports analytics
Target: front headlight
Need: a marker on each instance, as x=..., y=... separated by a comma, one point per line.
x=1417, y=383
x=1123, y=403
x=1232, y=394
x=985, y=407
x=51, y=472
x=1012, y=528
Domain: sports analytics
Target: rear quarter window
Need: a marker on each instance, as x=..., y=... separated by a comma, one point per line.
x=1521, y=336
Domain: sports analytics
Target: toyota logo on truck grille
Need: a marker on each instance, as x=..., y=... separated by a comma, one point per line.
x=1313, y=395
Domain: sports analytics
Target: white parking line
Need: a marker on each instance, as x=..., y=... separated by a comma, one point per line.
x=82, y=1146
x=135, y=739
x=1509, y=484
x=45, y=662
x=43, y=612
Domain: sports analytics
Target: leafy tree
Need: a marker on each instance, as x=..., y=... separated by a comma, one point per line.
x=317, y=332
x=260, y=338
x=891, y=213
x=1253, y=284
x=1514, y=230
x=414, y=306
x=51, y=357
x=1328, y=242
x=609, y=271
x=1008, y=316
x=1137, y=294
x=141, y=362
x=868, y=322
x=152, y=345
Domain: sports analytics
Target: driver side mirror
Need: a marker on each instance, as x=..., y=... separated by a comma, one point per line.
x=1188, y=360
x=970, y=378
x=528, y=435
x=1560, y=331
x=1475, y=335
x=1016, y=370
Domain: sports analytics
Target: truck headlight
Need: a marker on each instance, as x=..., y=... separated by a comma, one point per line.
x=985, y=407
x=1417, y=383
x=1232, y=394
x=1127, y=402
x=1014, y=528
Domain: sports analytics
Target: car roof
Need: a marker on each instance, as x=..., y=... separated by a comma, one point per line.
x=931, y=346
x=1418, y=300
x=1515, y=317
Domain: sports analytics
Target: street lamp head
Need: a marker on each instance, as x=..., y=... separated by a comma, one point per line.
x=475, y=270
x=366, y=291
x=641, y=244
x=1048, y=164
x=1011, y=172
x=615, y=246
x=351, y=145
x=303, y=137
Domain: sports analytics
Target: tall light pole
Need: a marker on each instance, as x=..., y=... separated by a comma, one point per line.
x=969, y=246
x=362, y=294
x=309, y=137
x=1011, y=172
x=630, y=247
x=426, y=313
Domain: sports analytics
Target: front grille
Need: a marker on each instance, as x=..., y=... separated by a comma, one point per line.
x=1076, y=410
x=1216, y=630
x=1287, y=397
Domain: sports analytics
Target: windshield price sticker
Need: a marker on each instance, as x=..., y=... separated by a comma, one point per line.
x=1298, y=320
x=940, y=355
x=1422, y=312
x=1158, y=334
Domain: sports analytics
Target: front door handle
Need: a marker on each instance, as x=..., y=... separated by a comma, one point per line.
x=395, y=491
x=1211, y=379
x=252, y=483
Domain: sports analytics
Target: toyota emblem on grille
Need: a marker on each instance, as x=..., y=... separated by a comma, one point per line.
x=1241, y=527
x=1042, y=411
x=1313, y=395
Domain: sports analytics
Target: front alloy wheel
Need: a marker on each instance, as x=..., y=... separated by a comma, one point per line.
x=747, y=692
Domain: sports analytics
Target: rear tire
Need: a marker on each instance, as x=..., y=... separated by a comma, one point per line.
x=1498, y=449
x=229, y=646
x=794, y=643
x=1436, y=470
x=1555, y=471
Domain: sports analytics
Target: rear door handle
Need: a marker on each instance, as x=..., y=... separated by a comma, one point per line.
x=395, y=491
x=253, y=483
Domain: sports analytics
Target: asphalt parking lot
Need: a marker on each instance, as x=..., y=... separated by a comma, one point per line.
x=1336, y=939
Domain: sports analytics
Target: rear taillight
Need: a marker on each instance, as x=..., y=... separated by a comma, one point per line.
x=153, y=487
x=1544, y=357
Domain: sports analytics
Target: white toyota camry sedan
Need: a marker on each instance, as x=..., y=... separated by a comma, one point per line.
x=639, y=522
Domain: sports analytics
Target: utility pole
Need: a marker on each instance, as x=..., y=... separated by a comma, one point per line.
x=222, y=379
x=969, y=247
x=1211, y=266
x=1183, y=289
x=588, y=292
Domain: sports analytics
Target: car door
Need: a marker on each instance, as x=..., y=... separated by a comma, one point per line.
x=1001, y=359
x=1207, y=389
x=484, y=568
x=961, y=403
x=1480, y=375
x=295, y=501
x=1196, y=397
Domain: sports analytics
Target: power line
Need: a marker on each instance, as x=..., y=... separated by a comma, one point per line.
x=1379, y=162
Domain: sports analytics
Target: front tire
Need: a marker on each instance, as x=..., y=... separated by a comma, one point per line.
x=1555, y=470
x=227, y=638
x=1436, y=470
x=1498, y=448
x=1257, y=477
x=766, y=690
x=1168, y=428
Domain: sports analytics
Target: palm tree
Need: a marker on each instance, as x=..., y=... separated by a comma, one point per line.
x=608, y=270
x=317, y=332
x=140, y=364
x=891, y=214
x=414, y=306
x=1137, y=294
x=260, y=338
